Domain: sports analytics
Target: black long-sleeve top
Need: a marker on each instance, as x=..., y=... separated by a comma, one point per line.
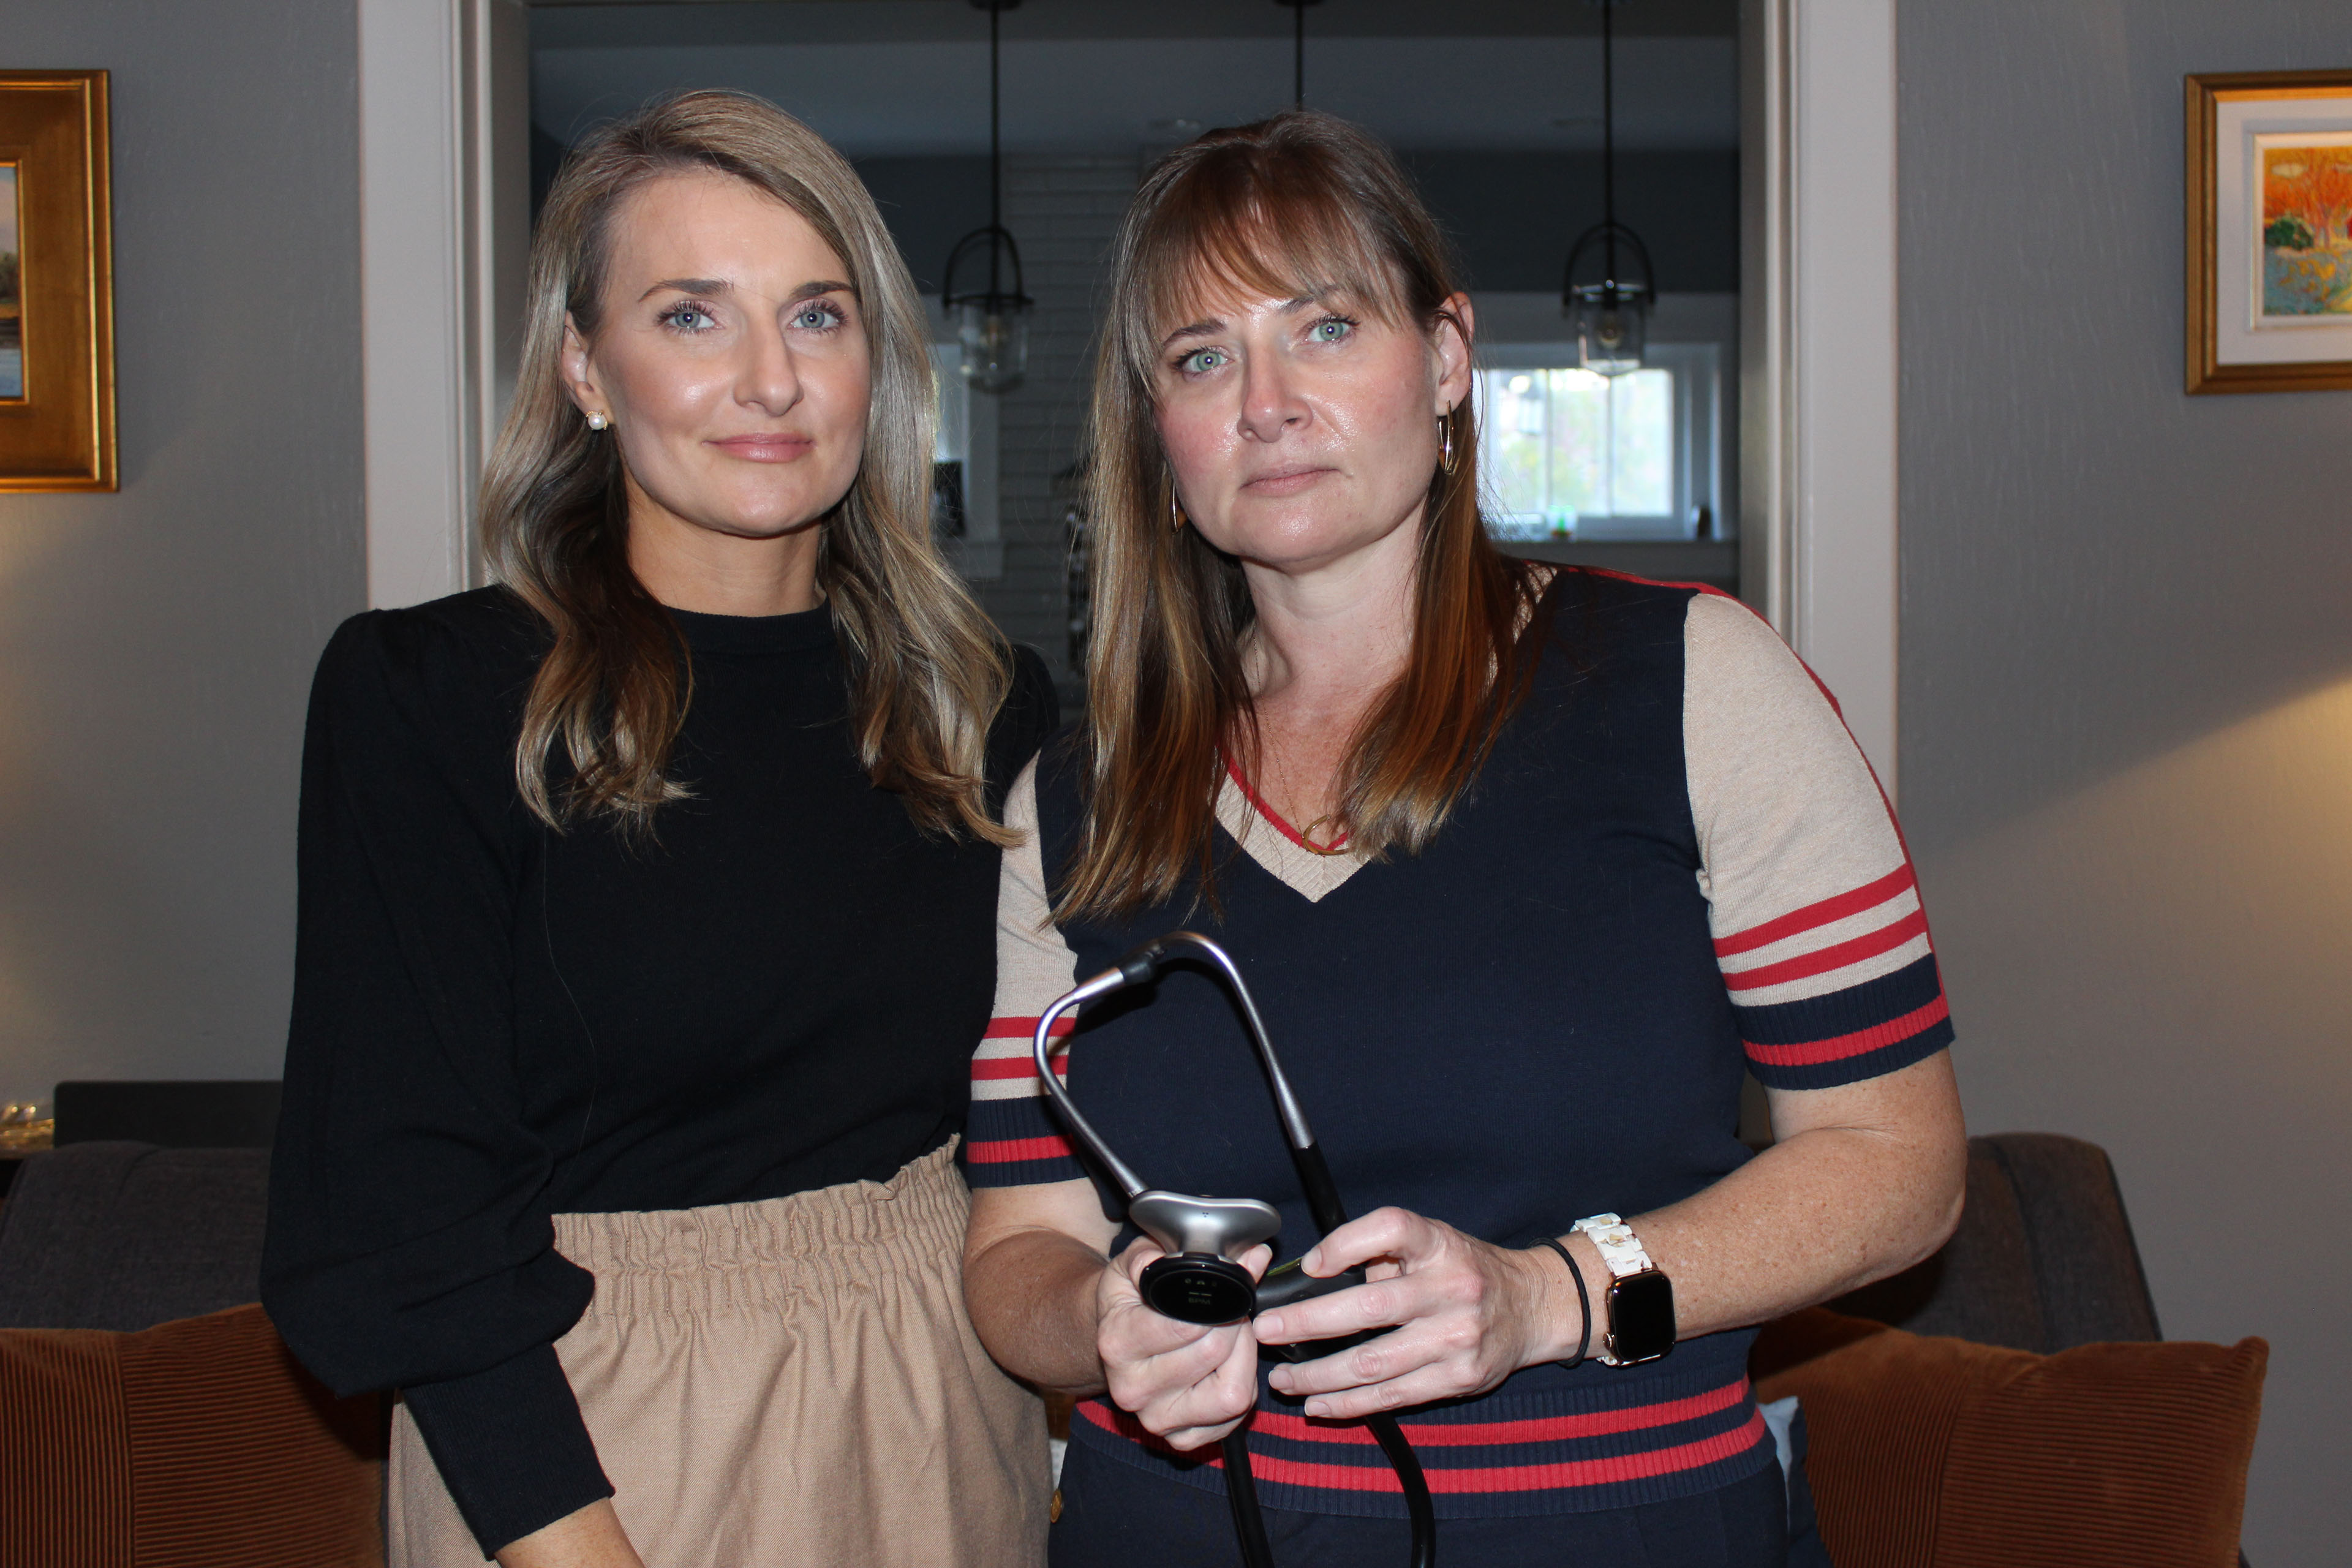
x=494, y=1022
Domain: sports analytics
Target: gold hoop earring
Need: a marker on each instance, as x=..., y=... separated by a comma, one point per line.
x=1445, y=441
x=1176, y=518
x=598, y=419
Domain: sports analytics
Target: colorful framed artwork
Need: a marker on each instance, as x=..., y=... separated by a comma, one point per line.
x=2270, y=231
x=57, y=283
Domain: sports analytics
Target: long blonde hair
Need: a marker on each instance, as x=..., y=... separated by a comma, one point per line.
x=1297, y=205
x=926, y=672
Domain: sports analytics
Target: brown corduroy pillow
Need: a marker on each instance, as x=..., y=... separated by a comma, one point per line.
x=1938, y=1453
x=189, y=1445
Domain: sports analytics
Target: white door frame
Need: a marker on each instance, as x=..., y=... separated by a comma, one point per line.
x=444, y=221
x=1819, y=362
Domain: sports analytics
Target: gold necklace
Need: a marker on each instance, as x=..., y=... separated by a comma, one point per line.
x=1302, y=837
x=1337, y=845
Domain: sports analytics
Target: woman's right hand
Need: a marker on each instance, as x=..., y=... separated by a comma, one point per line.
x=1187, y=1384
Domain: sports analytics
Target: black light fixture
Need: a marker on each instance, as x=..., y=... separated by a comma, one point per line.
x=1297, y=9
x=1612, y=313
x=993, y=325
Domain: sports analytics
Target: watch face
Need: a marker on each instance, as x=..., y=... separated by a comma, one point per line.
x=1641, y=1317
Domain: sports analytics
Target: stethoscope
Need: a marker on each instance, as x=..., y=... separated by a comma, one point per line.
x=1201, y=1280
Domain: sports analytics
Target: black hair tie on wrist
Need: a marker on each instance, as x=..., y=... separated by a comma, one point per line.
x=1583, y=1301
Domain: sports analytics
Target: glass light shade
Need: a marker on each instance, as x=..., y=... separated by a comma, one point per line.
x=994, y=331
x=1612, y=325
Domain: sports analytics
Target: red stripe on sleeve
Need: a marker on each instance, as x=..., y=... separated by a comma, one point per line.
x=1012, y=1150
x=1837, y=1047
x=1819, y=914
x=1870, y=945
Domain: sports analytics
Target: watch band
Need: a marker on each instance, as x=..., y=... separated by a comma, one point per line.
x=1619, y=1247
x=1627, y=1259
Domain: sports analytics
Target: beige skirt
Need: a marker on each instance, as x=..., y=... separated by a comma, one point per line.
x=786, y=1382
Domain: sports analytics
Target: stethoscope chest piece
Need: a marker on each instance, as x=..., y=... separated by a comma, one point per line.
x=1196, y=1289
x=1202, y=1280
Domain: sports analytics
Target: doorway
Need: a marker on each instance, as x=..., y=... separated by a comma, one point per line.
x=1756, y=156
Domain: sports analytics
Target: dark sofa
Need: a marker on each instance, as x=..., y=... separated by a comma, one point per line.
x=152, y=1416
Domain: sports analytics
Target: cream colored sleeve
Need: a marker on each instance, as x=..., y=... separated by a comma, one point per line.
x=1809, y=888
x=1034, y=964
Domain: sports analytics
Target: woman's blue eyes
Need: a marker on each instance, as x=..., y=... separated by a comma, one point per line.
x=815, y=316
x=1330, y=330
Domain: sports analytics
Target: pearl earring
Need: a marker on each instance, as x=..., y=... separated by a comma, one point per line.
x=599, y=419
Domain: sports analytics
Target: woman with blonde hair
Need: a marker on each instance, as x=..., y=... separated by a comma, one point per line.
x=1524, y=872
x=645, y=924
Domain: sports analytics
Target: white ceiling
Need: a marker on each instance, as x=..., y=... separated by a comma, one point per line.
x=1113, y=95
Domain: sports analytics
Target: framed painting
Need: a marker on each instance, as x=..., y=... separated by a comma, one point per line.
x=2270, y=231
x=57, y=283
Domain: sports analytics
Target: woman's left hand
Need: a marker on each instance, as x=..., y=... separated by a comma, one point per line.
x=1467, y=1315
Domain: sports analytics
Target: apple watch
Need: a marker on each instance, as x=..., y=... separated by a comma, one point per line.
x=1639, y=1301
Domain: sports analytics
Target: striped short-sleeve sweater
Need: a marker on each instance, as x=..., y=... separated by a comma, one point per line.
x=1674, y=865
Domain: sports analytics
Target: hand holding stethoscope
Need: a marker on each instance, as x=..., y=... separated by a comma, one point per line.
x=1203, y=1272
x=1189, y=1384
x=1176, y=1336
x=1462, y=1315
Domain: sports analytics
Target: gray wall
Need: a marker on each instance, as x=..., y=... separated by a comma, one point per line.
x=2126, y=699
x=156, y=645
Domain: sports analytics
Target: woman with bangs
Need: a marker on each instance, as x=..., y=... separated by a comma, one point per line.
x=1525, y=866
x=645, y=922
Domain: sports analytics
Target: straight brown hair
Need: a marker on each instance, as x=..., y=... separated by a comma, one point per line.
x=1300, y=205
x=927, y=671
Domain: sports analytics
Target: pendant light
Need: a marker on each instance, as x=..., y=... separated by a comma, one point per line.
x=1297, y=9
x=1612, y=313
x=993, y=324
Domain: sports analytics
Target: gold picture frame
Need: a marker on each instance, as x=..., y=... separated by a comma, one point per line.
x=57, y=283
x=2269, y=243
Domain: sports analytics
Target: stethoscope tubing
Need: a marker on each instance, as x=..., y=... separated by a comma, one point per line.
x=1137, y=967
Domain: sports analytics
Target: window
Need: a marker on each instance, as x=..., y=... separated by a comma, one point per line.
x=963, y=466
x=1561, y=445
x=951, y=450
x=1564, y=453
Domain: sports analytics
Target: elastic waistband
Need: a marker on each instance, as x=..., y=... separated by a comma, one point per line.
x=730, y=1255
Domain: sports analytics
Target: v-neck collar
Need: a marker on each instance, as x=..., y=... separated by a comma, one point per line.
x=1270, y=842
x=1274, y=845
